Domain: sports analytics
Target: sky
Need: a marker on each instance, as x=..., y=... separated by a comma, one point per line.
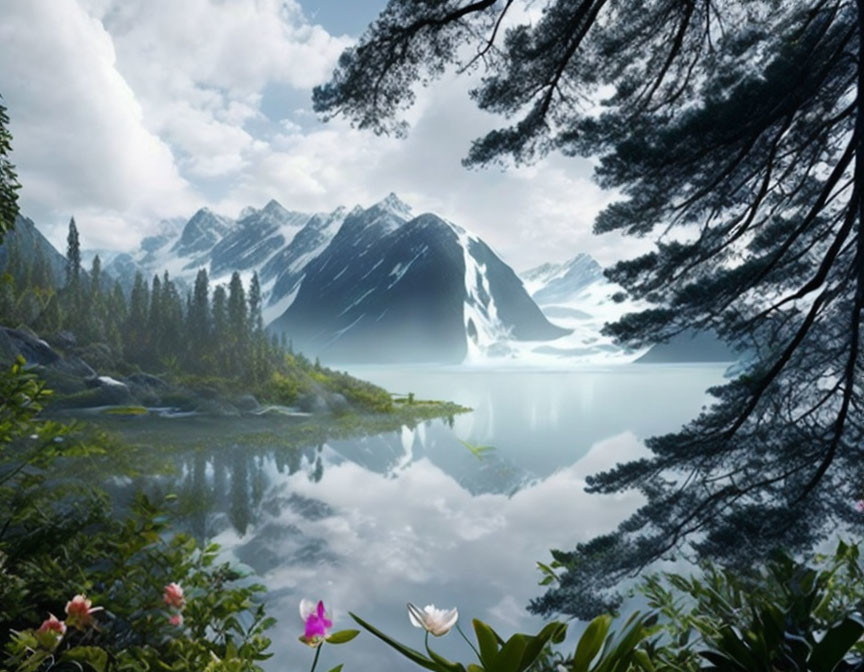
x=125, y=113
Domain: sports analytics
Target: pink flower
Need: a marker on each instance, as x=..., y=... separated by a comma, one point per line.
x=316, y=622
x=176, y=620
x=174, y=596
x=53, y=624
x=859, y=506
x=79, y=612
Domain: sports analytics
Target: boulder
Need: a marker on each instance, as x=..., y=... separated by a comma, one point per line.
x=109, y=391
x=247, y=403
x=147, y=380
x=338, y=403
x=313, y=403
x=74, y=366
x=64, y=339
x=29, y=346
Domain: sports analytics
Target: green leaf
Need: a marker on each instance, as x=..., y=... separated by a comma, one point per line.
x=590, y=643
x=509, y=657
x=91, y=655
x=338, y=668
x=643, y=660
x=534, y=646
x=342, y=636
x=411, y=654
x=487, y=641
x=836, y=643
x=443, y=663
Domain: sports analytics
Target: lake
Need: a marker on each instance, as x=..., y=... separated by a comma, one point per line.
x=368, y=524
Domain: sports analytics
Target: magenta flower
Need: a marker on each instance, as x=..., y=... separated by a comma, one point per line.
x=176, y=620
x=859, y=506
x=317, y=625
x=173, y=596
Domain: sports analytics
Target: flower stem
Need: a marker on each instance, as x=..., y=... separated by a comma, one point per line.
x=474, y=648
x=317, y=653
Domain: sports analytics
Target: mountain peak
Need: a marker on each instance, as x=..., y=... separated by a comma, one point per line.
x=274, y=207
x=395, y=205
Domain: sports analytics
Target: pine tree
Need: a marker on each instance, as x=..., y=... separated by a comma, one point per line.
x=172, y=340
x=96, y=276
x=9, y=185
x=136, y=326
x=256, y=318
x=220, y=334
x=199, y=310
x=238, y=326
x=73, y=256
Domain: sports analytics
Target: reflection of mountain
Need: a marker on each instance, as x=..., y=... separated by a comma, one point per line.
x=241, y=489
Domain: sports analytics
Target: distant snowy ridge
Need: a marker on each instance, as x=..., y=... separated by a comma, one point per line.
x=577, y=295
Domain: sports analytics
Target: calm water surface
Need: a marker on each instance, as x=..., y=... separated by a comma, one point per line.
x=369, y=524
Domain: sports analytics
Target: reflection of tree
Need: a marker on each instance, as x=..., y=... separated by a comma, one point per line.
x=199, y=499
x=239, y=512
x=258, y=483
x=220, y=476
x=318, y=471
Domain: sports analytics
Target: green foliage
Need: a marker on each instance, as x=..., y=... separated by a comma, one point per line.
x=599, y=649
x=783, y=616
x=156, y=331
x=58, y=538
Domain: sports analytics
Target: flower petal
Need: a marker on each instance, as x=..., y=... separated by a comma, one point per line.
x=418, y=620
x=307, y=608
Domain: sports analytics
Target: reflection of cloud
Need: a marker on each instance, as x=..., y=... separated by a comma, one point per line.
x=420, y=536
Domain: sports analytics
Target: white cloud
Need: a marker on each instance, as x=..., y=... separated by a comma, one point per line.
x=128, y=111
x=79, y=140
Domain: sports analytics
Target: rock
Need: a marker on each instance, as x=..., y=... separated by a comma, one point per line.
x=147, y=380
x=65, y=339
x=110, y=392
x=74, y=366
x=338, y=403
x=313, y=403
x=247, y=403
x=30, y=347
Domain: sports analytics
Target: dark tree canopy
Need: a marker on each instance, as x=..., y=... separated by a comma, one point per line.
x=735, y=132
x=8, y=179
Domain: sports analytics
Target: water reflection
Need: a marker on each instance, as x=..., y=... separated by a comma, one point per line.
x=370, y=523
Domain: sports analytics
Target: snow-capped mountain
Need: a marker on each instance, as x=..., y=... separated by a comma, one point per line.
x=561, y=283
x=274, y=241
x=575, y=294
x=394, y=287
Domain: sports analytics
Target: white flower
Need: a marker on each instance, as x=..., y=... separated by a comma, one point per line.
x=436, y=621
